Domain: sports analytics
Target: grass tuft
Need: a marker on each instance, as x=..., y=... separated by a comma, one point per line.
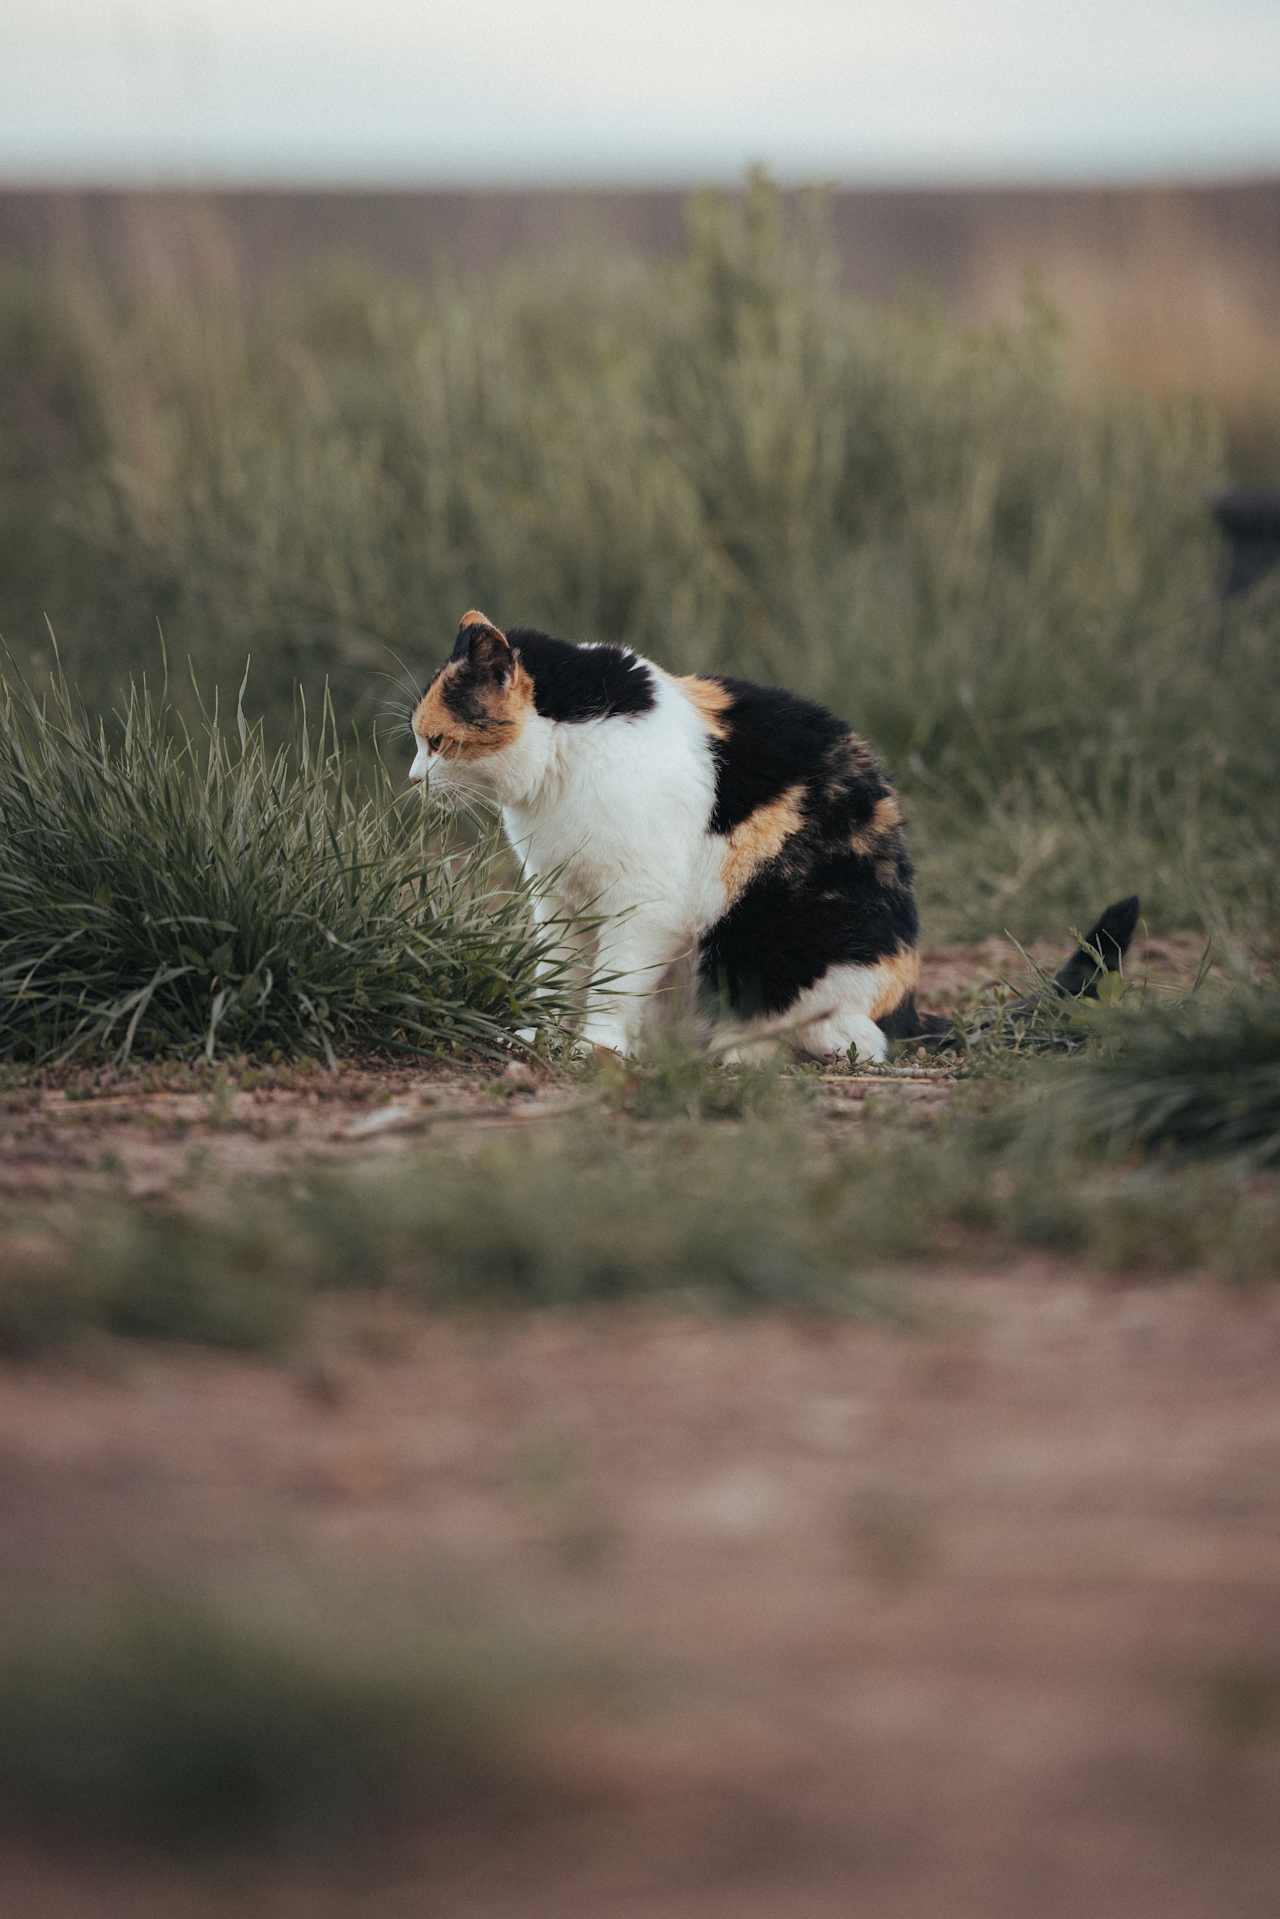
x=678, y=1078
x=191, y=891
x=1197, y=1080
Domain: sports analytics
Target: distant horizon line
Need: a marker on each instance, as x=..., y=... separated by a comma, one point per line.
x=1120, y=181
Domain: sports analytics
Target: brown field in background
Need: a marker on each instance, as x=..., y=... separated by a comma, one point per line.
x=1175, y=289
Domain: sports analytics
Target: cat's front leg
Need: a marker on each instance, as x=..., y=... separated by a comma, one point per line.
x=544, y=911
x=633, y=962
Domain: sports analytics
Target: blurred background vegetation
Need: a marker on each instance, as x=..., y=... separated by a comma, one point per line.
x=1005, y=573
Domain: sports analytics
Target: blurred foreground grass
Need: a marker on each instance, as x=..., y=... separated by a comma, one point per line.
x=717, y=1190
x=186, y=1721
x=722, y=460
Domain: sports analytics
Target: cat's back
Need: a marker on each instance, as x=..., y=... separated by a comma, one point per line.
x=765, y=774
x=774, y=749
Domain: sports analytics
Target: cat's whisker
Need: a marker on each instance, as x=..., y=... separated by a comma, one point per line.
x=408, y=679
x=468, y=807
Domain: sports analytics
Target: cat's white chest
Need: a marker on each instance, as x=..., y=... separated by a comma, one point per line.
x=584, y=855
x=626, y=823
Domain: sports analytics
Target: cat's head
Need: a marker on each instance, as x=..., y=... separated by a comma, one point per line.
x=470, y=727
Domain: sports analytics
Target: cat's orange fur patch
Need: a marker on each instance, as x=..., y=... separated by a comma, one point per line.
x=900, y=974
x=886, y=816
x=711, y=699
x=505, y=707
x=760, y=838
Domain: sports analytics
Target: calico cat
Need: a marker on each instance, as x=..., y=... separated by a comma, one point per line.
x=730, y=827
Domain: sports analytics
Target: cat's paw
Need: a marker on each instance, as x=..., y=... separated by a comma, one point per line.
x=602, y=1040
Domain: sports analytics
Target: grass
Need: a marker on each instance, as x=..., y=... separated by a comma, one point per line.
x=157, y=1279
x=192, y=891
x=721, y=459
x=740, y=1217
x=1198, y=1080
x=165, y=1718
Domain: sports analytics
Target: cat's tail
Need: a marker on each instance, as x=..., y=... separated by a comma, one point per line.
x=1101, y=951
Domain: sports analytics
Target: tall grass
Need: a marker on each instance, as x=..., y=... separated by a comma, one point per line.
x=722, y=460
x=167, y=888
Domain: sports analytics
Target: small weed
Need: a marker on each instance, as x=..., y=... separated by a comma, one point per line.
x=220, y=1112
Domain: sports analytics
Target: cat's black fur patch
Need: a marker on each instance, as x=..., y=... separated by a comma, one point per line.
x=463, y=694
x=773, y=740
x=789, y=926
x=906, y=1021
x=577, y=683
x=822, y=900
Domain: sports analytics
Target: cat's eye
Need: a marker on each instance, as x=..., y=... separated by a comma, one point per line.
x=434, y=742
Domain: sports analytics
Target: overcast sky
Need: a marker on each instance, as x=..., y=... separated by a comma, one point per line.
x=598, y=90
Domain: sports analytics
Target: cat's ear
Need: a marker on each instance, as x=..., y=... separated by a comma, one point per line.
x=484, y=646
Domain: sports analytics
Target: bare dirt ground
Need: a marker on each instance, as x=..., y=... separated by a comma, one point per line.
x=980, y=1618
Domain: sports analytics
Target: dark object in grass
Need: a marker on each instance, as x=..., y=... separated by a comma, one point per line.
x=1248, y=519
